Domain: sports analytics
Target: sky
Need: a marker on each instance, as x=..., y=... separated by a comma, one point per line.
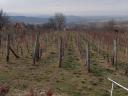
x=67, y=7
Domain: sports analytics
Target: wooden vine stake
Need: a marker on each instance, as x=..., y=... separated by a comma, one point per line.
x=8, y=45
x=0, y=39
x=126, y=52
x=115, y=53
x=114, y=58
x=61, y=52
x=36, y=50
x=88, y=57
x=9, y=49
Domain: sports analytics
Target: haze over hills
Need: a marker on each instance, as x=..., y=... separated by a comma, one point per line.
x=70, y=19
x=30, y=20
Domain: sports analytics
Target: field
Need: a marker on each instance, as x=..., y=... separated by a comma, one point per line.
x=72, y=78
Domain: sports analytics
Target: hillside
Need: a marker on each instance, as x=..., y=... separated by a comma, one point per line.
x=70, y=19
x=72, y=79
x=30, y=20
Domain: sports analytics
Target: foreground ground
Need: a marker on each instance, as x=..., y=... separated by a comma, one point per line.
x=71, y=80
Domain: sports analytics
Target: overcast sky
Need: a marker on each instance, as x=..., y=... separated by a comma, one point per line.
x=68, y=7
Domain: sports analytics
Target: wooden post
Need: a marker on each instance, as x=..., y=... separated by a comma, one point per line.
x=114, y=62
x=21, y=50
x=36, y=49
x=8, y=46
x=27, y=47
x=88, y=57
x=13, y=52
x=98, y=48
x=0, y=38
x=9, y=49
x=40, y=52
x=115, y=48
x=126, y=71
x=126, y=52
x=61, y=53
x=17, y=48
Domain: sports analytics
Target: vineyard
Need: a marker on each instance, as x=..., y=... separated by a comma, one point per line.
x=70, y=63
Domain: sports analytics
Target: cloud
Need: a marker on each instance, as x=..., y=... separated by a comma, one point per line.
x=70, y=7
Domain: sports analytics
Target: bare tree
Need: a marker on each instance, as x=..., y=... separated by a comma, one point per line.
x=110, y=25
x=60, y=21
x=52, y=23
x=56, y=23
x=3, y=21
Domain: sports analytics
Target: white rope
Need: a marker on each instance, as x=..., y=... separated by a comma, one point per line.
x=113, y=82
x=118, y=84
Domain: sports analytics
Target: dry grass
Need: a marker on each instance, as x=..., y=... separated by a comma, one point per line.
x=21, y=76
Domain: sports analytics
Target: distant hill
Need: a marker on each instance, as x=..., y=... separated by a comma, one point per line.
x=88, y=19
x=30, y=20
x=70, y=19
